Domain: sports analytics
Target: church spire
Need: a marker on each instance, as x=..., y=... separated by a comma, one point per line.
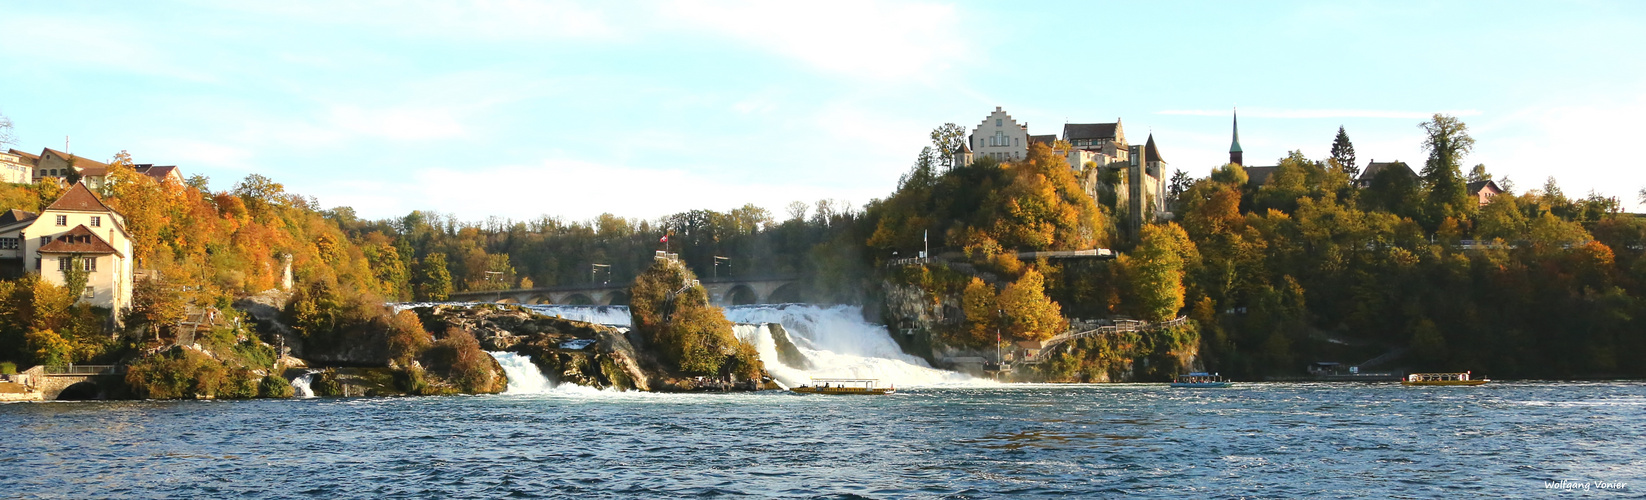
x=1235, y=154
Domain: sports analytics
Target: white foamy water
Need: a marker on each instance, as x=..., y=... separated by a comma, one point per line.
x=300, y=385
x=603, y=315
x=837, y=343
x=524, y=376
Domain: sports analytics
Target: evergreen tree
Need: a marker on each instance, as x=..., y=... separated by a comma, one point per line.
x=1343, y=152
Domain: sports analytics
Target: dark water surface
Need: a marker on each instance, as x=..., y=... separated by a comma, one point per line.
x=1263, y=440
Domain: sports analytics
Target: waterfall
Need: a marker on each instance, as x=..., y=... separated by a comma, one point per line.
x=604, y=315
x=300, y=385
x=834, y=342
x=524, y=376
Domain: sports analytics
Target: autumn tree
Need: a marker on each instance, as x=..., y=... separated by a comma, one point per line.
x=1156, y=273
x=946, y=139
x=671, y=311
x=1031, y=315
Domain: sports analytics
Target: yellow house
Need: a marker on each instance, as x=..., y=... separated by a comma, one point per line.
x=77, y=225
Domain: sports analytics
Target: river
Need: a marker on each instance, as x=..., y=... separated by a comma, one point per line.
x=1267, y=440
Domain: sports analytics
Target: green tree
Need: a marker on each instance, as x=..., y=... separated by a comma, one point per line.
x=1446, y=141
x=671, y=311
x=1156, y=271
x=434, y=281
x=1343, y=153
x=1479, y=173
x=946, y=139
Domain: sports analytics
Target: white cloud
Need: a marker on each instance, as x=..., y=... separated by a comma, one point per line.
x=873, y=41
x=577, y=190
x=1317, y=113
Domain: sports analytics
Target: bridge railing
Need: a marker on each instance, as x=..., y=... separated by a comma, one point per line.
x=74, y=369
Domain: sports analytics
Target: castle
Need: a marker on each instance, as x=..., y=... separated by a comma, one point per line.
x=1132, y=176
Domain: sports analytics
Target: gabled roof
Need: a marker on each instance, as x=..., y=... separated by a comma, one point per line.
x=81, y=199
x=1150, y=152
x=1258, y=176
x=33, y=158
x=79, y=161
x=15, y=215
x=1072, y=131
x=1474, y=188
x=1048, y=139
x=79, y=240
x=158, y=173
x=1372, y=168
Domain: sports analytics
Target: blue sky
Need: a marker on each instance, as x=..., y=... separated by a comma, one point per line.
x=517, y=109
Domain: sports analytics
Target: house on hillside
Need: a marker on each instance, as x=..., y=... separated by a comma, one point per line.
x=1375, y=167
x=79, y=229
x=16, y=167
x=1097, y=151
x=54, y=163
x=160, y=173
x=1483, y=191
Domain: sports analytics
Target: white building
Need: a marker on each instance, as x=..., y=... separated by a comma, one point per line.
x=16, y=168
x=1000, y=137
x=76, y=226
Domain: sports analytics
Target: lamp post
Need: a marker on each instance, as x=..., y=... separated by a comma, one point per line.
x=715, y=273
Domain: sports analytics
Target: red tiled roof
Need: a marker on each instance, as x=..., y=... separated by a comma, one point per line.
x=81, y=199
x=158, y=173
x=79, y=240
x=27, y=156
x=15, y=215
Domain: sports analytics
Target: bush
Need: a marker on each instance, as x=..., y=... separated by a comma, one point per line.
x=8, y=368
x=325, y=384
x=242, y=384
x=687, y=333
x=466, y=364
x=178, y=374
x=275, y=386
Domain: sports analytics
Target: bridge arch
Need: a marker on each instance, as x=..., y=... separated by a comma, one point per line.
x=617, y=298
x=80, y=391
x=786, y=294
x=578, y=299
x=741, y=295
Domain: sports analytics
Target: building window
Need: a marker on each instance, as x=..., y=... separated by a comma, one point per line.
x=62, y=220
x=89, y=264
x=997, y=122
x=8, y=243
x=44, y=240
x=62, y=263
x=96, y=221
x=90, y=293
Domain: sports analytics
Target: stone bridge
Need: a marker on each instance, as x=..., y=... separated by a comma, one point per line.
x=722, y=292
x=71, y=382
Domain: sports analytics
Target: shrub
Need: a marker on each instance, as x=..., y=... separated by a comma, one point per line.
x=466, y=364
x=241, y=384
x=181, y=373
x=8, y=368
x=326, y=384
x=275, y=386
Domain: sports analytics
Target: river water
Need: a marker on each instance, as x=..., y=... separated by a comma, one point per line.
x=1264, y=440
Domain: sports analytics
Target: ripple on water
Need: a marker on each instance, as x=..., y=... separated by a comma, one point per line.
x=1266, y=440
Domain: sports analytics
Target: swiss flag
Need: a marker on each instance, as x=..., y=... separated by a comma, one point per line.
x=664, y=239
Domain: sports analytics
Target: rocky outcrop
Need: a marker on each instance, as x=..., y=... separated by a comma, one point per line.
x=566, y=351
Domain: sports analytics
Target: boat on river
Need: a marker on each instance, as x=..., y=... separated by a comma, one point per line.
x=1443, y=379
x=1201, y=380
x=845, y=386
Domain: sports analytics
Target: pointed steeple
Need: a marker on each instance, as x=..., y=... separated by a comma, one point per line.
x=1235, y=154
x=1151, y=154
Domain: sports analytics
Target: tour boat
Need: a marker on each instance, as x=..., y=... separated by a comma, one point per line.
x=1200, y=380
x=844, y=386
x=1442, y=379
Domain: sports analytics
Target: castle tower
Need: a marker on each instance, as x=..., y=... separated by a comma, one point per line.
x=1235, y=154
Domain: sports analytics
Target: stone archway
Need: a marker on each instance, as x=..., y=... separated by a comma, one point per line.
x=789, y=293
x=506, y=300
x=540, y=300
x=80, y=391
x=578, y=299
x=617, y=298
x=741, y=295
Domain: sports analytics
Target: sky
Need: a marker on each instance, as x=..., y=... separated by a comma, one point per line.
x=518, y=109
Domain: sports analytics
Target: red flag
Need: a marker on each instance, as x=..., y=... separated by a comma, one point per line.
x=664, y=239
